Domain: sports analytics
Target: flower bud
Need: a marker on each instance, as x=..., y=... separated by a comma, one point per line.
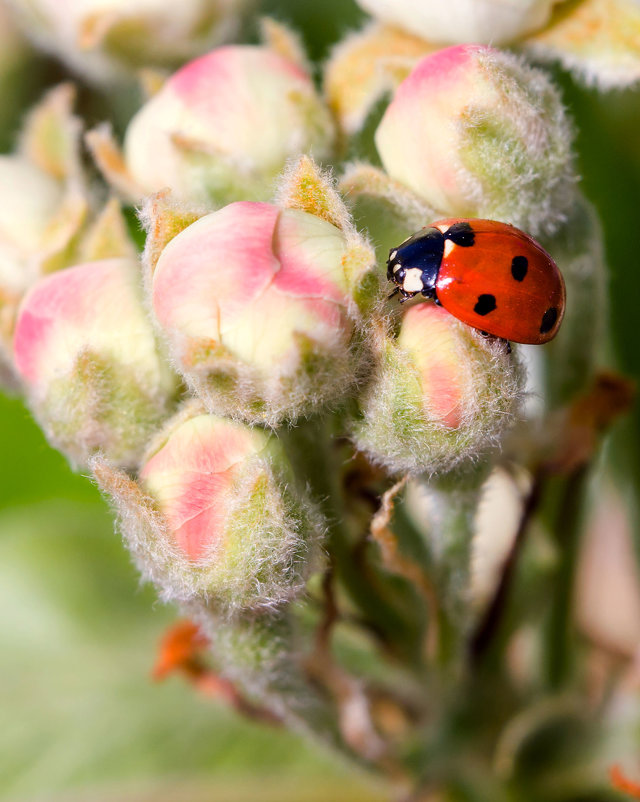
x=104, y=40
x=442, y=395
x=485, y=21
x=87, y=355
x=364, y=67
x=42, y=207
x=214, y=515
x=255, y=302
x=477, y=133
x=597, y=41
x=225, y=124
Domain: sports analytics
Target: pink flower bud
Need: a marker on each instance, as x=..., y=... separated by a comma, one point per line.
x=43, y=206
x=442, y=395
x=31, y=214
x=255, y=302
x=104, y=40
x=486, y=21
x=87, y=355
x=225, y=124
x=477, y=133
x=214, y=514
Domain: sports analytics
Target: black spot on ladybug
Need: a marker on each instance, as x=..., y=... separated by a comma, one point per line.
x=460, y=234
x=548, y=320
x=486, y=304
x=519, y=267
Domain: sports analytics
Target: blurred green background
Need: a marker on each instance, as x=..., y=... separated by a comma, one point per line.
x=80, y=717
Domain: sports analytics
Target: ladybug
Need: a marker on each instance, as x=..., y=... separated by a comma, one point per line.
x=489, y=275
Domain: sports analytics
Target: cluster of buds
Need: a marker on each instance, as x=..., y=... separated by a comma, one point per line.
x=231, y=384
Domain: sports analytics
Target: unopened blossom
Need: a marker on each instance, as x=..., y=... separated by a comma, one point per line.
x=256, y=304
x=598, y=40
x=224, y=125
x=442, y=395
x=455, y=21
x=103, y=40
x=43, y=206
x=477, y=133
x=29, y=200
x=87, y=356
x=215, y=515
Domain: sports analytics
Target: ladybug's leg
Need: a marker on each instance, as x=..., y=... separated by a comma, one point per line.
x=507, y=345
x=395, y=292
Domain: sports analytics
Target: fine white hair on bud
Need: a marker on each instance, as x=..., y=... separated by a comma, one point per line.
x=224, y=125
x=215, y=514
x=477, y=133
x=441, y=397
x=456, y=21
x=105, y=40
x=256, y=305
x=88, y=359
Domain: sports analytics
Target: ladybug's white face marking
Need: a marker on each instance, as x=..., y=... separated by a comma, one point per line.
x=449, y=245
x=393, y=255
x=413, y=280
x=443, y=228
x=396, y=267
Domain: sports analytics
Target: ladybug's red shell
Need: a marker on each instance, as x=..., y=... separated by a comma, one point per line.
x=505, y=283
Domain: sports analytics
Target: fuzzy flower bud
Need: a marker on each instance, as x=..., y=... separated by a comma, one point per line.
x=255, y=301
x=442, y=395
x=484, y=21
x=29, y=200
x=476, y=133
x=87, y=356
x=104, y=40
x=43, y=206
x=225, y=124
x=214, y=515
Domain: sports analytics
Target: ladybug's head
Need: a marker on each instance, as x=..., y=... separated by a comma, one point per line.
x=414, y=264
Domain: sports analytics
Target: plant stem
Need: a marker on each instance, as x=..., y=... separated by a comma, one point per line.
x=567, y=532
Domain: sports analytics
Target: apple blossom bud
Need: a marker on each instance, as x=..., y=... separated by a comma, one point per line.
x=215, y=515
x=256, y=304
x=86, y=353
x=453, y=21
x=225, y=124
x=477, y=133
x=442, y=395
x=104, y=40
x=597, y=41
x=43, y=205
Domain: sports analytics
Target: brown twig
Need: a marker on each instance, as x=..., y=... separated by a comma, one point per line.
x=395, y=562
